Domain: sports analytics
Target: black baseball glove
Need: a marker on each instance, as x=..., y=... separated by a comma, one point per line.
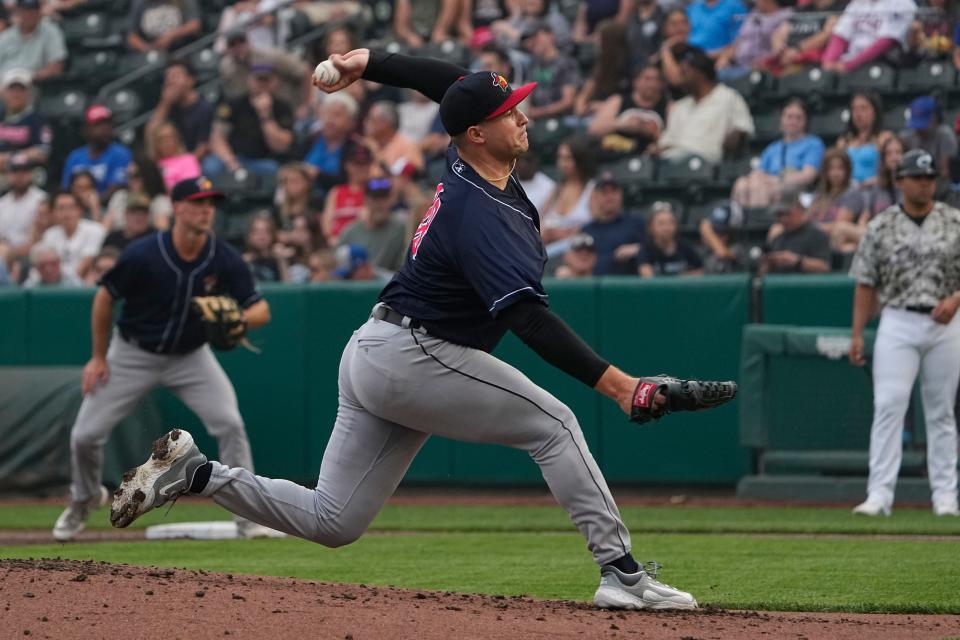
x=681, y=395
x=222, y=319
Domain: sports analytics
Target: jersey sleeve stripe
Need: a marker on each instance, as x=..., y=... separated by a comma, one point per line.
x=498, y=301
x=256, y=297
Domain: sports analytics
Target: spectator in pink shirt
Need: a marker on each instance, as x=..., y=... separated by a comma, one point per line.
x=165, y=147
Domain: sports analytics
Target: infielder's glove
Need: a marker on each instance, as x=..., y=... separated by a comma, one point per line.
x=223, y=321
x=681, y=395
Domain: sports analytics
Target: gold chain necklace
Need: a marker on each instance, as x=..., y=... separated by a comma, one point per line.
x=512, y=167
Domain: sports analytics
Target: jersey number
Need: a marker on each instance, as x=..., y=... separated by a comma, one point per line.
x=424, y=225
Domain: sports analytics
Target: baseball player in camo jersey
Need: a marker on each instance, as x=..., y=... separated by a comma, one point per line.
x=161, y=341
x=908, y=264
x=421, y=364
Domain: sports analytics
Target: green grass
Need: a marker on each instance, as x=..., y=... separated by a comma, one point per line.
x=664, y=519
x=777, y=573
x=535, y=550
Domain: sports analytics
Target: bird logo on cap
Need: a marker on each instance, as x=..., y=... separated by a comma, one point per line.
x=925, y=161
x=499, y=81
x=204, y=184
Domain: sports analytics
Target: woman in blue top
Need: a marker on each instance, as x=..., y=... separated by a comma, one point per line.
x=865, y=135
x=789, y=165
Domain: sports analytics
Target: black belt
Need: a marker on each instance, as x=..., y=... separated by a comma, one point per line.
x=919, y=309
x=385, y=313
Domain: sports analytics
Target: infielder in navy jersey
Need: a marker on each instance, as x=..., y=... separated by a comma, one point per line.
x=421, y=364
x=160, y=340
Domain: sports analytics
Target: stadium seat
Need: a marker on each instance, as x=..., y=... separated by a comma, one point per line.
x=449, y=50
x=125, y=104
x=757, y=220
x=126, y=135
x=210, y=92
x=235, y=225
x=205, y=64
x=569, y=9
x=113, y=36
x=90, y=25
x=237, y=185
x=831, y=124
x=67, y=106
x=586, y=54
x=633, y=175
x=730, y=170
x=92, y=70
x=546, y=135
x=926, y=77
x=895, y=116
x=766, y=125
x=750, y=84
x=692, y=169
x=700, y=211
x=879, y=78
x=137, y=61
x=380, y=23
x=809, y=82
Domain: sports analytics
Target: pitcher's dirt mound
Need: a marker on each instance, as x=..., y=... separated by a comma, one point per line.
x=67, y=599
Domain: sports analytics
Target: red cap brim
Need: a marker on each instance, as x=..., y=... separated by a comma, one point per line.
x=216, y=195
x=519, y=95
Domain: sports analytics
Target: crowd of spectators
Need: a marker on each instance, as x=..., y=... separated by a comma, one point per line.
x=353, y=170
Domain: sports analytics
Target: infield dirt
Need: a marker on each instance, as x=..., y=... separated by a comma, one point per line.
x=69, y=599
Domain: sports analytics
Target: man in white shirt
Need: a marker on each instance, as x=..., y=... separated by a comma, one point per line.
x=18, y=207
x=46, y=269
x=76, y=240
x=711, y=119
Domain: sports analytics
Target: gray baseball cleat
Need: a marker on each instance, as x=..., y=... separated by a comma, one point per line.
x=165, y=476
x=619, y=590
x=74, y=518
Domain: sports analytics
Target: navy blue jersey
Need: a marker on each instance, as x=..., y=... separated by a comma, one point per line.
x=157, y=286
x=477, y=251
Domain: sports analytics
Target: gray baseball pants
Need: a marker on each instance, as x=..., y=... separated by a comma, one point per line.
x=397, y=388
x=196, y=378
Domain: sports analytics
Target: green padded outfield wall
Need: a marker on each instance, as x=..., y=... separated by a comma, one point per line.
x=688, y=327
x=808, y=300
x=287, y=393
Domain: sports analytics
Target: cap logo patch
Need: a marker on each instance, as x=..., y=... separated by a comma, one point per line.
x=204, y=184
x=499, y=81
x=925, y=161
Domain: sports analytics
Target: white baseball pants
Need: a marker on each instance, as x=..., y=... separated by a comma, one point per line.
x=908, y=343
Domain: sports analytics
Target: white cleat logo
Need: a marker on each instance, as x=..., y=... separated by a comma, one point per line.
x=165, y=491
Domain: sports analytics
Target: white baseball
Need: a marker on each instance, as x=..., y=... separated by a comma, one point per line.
x=326, y=73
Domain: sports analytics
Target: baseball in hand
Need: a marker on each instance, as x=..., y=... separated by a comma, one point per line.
x=326, y=73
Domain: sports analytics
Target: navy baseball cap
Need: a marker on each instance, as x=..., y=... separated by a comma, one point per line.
x=194, y=189
x=606, y=178
x=477, y=97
